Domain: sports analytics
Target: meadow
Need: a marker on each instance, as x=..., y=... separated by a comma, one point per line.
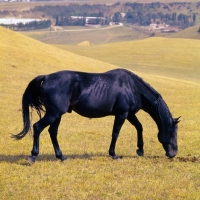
x=170, y=57
x=74, y=35
x=171, y=66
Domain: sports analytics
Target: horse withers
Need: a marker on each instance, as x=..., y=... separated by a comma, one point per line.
x=117, y=92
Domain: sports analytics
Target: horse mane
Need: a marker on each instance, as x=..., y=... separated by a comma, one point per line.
x=147, y=86
x=160, y=108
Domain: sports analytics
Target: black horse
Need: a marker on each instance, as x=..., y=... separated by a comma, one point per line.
x=117, y=92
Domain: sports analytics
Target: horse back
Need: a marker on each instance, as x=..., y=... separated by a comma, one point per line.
x=89, y=94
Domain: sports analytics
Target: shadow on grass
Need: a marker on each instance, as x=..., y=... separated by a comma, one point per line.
x=46, y=157
x=23, y=159
x=20, y=159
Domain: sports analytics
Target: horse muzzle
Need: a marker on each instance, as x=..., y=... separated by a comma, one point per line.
x=171, y=154
x=171, y=150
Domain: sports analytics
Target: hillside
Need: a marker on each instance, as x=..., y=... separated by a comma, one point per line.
x=23, y=53
x=23, y=58
x=189, y=33
x=175, y=58
x=75, y=35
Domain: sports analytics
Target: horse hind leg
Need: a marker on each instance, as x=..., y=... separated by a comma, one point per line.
x=38, y=127
x=53, y=131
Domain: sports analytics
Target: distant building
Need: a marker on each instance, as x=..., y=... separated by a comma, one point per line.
x=155, y=26
x=9, y=21
x=14, y=0
x=88, y=19
x=163, y=28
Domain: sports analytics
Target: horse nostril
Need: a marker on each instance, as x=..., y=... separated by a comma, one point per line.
x=170, y=155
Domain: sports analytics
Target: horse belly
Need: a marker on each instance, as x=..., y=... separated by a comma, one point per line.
x=92, y=109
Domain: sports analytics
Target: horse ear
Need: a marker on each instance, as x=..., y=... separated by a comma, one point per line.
x=176, y=120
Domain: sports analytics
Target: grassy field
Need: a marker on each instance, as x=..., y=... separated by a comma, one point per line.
x=89, y=173
x=189, y=33
x=174, y=58
x=74, y=35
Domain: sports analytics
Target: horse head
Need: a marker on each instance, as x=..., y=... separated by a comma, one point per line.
x=168, y=138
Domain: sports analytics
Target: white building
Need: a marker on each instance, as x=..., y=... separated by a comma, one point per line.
x=9, y=21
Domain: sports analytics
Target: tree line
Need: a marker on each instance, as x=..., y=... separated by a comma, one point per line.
x=29, y=26
x=136, y=13
x=147, y=19
x=145, y=14
x=72, y=10
x=66, y=20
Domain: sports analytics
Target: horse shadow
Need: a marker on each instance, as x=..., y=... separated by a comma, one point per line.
x=23, y=159
x=43, y=157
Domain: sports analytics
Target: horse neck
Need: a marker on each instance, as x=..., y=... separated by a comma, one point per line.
x=153, y=104
x=159, y=111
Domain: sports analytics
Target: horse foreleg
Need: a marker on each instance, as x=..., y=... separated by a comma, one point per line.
x=53, y=131
x=38, y=127
x=119, y=121
x=135, y=122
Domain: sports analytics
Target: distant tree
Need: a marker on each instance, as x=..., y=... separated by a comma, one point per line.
x=180, y=17
x=117, y=17
x=161, y=16
x=194, y=17
x=153, y=16
x=57, y=20
x=174, y=17
x=130, y=17
x=107, y=21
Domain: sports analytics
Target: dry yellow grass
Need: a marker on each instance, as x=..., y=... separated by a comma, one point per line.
x=89, y=173
x=177, y=58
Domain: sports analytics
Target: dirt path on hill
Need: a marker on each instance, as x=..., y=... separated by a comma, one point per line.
x=109, y=37
x=60, y=29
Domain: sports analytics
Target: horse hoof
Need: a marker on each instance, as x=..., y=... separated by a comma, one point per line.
x=116, y=157
x=63, y=158
x=139, y=153
x=31, y=160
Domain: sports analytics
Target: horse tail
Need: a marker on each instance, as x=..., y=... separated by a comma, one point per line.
x=31, y=97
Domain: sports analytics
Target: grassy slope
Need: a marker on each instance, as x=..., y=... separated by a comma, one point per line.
x=175, y=58
x=90, y=173
x=96, y=36
x=190, y=33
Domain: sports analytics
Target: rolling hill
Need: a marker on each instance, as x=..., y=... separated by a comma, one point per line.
x=175, y=58
x=75, y=35
x=23, y=58
x=188, y=33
